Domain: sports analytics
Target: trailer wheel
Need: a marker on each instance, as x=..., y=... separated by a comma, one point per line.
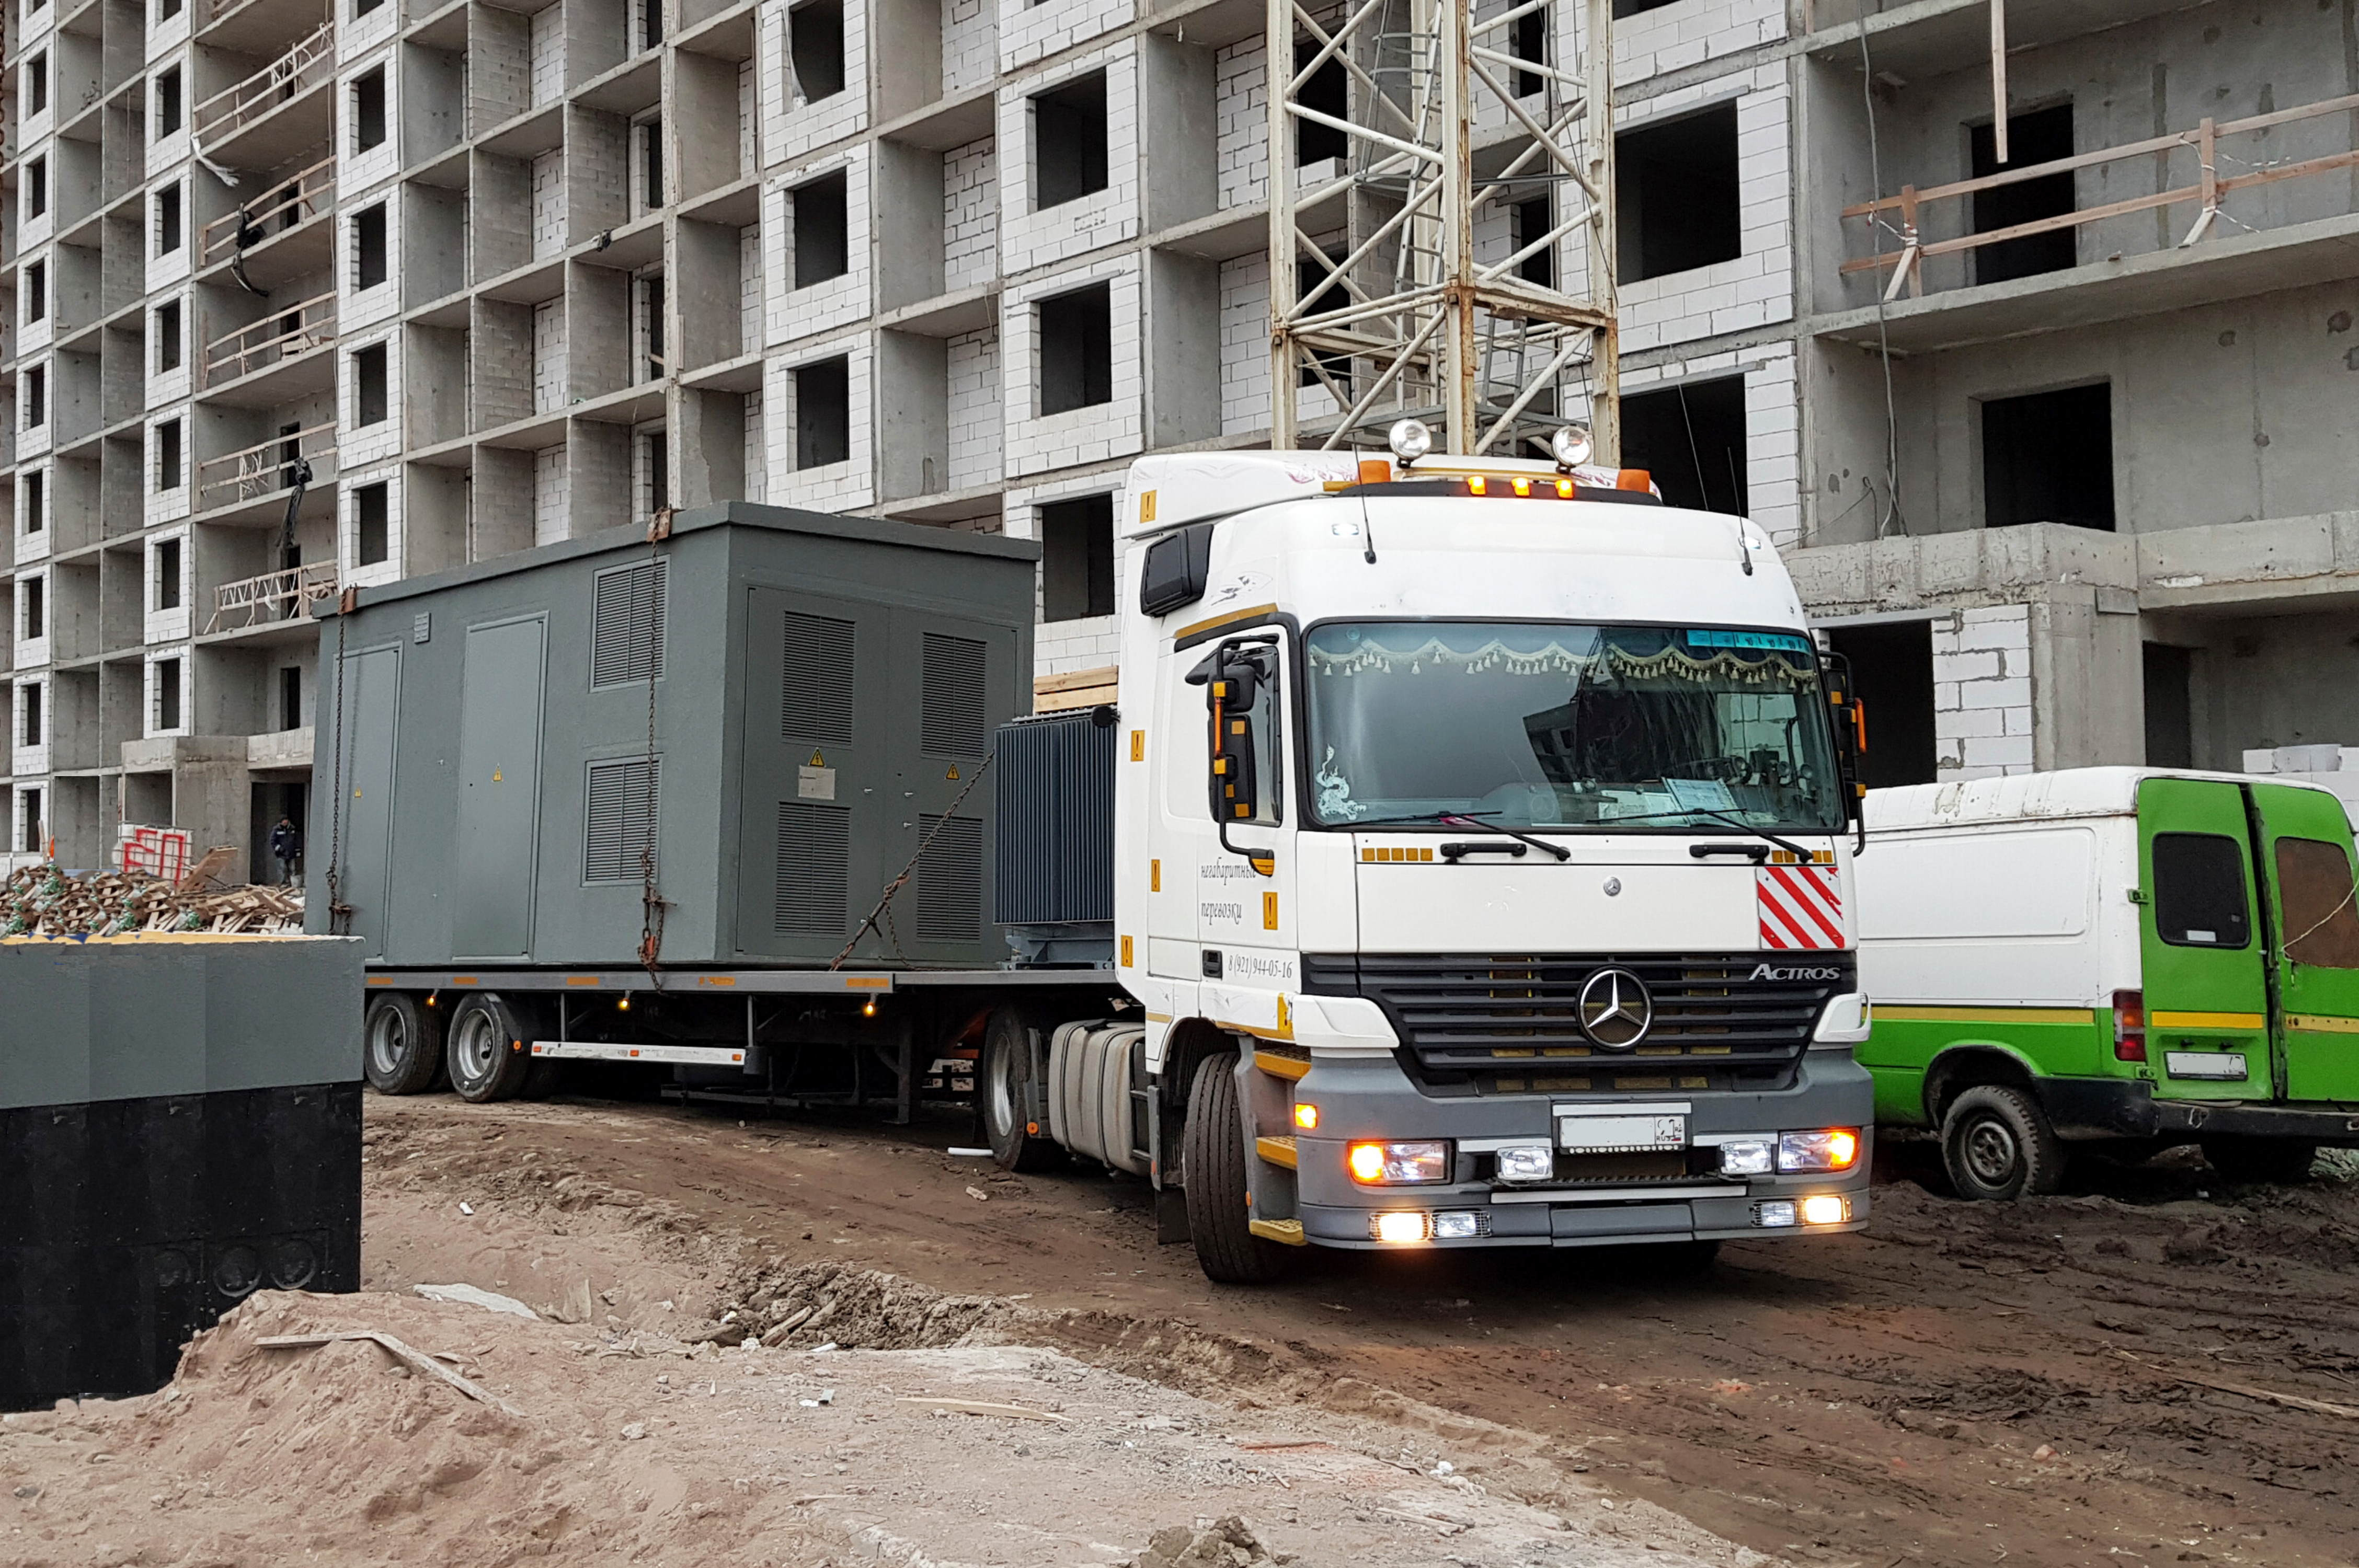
x=488, y=1053
x=1212, y=1167
x=2284, y=1161
x=1998, y=1145
x=403, y=1046
x=1017, y=1143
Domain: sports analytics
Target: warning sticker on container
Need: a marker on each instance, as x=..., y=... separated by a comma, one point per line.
x=1800, y=907
x=815, y=784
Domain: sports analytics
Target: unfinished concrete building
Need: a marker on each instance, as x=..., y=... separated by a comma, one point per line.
x=316, y=293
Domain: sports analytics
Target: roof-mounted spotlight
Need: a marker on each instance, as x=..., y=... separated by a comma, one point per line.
x=1571, y=447
x=1409, y=440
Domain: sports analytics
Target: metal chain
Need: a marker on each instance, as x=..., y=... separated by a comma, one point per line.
x=884, y=905
x=339, y=913
x=652, y=905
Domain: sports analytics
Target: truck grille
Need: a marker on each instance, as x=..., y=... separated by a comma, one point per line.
x=1477, y=1024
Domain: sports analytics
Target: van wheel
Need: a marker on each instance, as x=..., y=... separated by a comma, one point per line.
x=1005, y=1097
x=488, y=1053
x=1212, y=1169
x=402, y=1045
x=1998, y=1145
x=2284, y=1161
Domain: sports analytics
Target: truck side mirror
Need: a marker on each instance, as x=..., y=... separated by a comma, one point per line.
x=1850, y=717
x=1233, y=678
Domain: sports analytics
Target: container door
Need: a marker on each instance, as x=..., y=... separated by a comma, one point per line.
x=2200, y=940
x=2306, y=851
x=816, y=718
x=493, y=876
x=954, y=683
x=358, y=807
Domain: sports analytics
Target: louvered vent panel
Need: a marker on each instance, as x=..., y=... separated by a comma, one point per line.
x=627, y=624
x=814, y=851
x=622, y=805
x=816, y=704
x=956, y=723
x=949, y=879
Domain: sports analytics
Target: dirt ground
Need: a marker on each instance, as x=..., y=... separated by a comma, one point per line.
x=2111, y=1375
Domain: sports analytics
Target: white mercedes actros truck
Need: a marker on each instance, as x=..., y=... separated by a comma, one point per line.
x=1480, y=860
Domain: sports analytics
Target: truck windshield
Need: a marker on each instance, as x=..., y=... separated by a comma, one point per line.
x=1566, y=726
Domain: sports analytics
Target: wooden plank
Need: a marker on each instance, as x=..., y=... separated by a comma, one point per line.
x=1104, y=675
x=416, y=1359
x=982, y=1406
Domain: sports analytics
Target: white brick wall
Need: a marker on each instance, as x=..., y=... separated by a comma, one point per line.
x=1773, y=427
x=749, y=287
x=1757, y=289
x=1030, y=31
x=1101, y=432
x=969, y=52
x=1240, y=113
x=970, y=216
x=830, y=487
x=357, y=445
x=1981, y=692
x=794, y=314
x=1671, y=37
x=790, y=126
x=360, y=171
x=975, y=424
x=757, y=456
x=1245, y=345
x=549, y=202
x=552, y=496
x=547, y=55
x=348, y=526
x=548, y=357
x=1029, y=239
x=165, y=505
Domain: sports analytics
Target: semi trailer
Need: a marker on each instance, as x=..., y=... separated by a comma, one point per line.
x=1462, y=862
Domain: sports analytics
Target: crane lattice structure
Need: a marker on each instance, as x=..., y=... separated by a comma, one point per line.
x=1395, y=128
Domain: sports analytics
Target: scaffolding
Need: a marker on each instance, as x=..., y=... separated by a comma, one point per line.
x=1451, y=114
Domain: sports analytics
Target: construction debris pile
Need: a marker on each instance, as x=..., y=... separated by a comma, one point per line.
x=42, y=900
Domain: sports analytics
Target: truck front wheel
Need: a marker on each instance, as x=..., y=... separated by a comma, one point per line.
x=489, y=1056
x=404, y=1044
x=1998, y=1145
x=1017, y=1143
x=1212, y=1167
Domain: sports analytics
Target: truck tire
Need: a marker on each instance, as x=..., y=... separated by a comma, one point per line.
x=1998, y=1145
x=1212, y=1167
x=2284, y=1161
x=488, y=1055
x=1005, y=1097
x=402, y=1044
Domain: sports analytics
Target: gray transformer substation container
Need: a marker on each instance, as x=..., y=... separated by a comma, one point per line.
x=823, y=692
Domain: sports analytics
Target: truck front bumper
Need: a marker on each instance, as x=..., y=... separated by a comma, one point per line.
x=1371, y=1098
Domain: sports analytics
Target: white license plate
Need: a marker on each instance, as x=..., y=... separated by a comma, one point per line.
x=2225, y=1066
x=1621, y=1134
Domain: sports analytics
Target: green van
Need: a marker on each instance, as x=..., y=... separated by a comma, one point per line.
x=2124, y=954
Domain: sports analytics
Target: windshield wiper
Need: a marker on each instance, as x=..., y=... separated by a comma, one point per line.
x=1470, y=819
x=1730, y=817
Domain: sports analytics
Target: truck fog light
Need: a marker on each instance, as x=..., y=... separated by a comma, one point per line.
x=1830, y=1149
x=1459, y=1225
x=1748, y=1157
x=1527, y=1162
x=1774, y=1214
x=1825, y=1208
x=1406, y=1225
x=1305, y=1117
x=1398, y=1164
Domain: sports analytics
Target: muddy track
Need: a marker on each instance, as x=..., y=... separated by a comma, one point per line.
x=2040, y=1383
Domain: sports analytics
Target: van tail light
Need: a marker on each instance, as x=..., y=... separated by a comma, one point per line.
x=2129, y=1026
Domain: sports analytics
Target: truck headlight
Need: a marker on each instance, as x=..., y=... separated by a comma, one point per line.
x=1527, y=1162
x=1830, y=1149
x=1398, y=1164
x=1748, y=1157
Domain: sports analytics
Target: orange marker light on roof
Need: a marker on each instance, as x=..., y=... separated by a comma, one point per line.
x=1375, y=471
x=1476, y=485
x=1523, y=487
x=1564, y=488
x=1633, y=479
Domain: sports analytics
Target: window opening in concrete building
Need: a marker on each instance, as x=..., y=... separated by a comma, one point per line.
x=815, y=45
x=1077, y=559
x=291, y=698
x=1638, y=7
x=30, y=732
x=2038, y=137
x=168, y=693
x=29, y=806
x=169, y=223
x=372, y=519
x=1076, y=355
x=2169, y=706
x=36, y=83
x=368, y=247
x=1329, y=91
x=34, y=621
x=1069, y=141
x=822, y=246
x=167, y=455
x=1675, y=191
x=651, y=292
x=36, y=502
x=1319, y=289
x=369, y=394
x=651, y=162
x=1892, y=673
x=36, y=188
x=167, y=574
x=168, y=336
x=36, y=397
x=823, y=414
x=36, y=291
x=655, y=462
x=651, y=24
x=1691, y=438
x=1526, y=222
x=368, y=109
x=168, y=101
x=168, y=9
x=2049, y=458
x=1527, y=39
x=360, y=7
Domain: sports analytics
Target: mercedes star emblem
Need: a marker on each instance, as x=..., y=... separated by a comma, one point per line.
x=1615, y=1009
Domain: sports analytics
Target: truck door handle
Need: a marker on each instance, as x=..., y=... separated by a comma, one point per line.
x=1756, y=853
x=1483, y=847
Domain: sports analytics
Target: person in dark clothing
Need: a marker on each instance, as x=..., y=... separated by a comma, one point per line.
x=286, y=848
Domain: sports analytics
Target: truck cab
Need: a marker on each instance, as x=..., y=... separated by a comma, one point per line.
x=1481, y=866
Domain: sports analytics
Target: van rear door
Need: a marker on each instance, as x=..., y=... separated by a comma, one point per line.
x=2306, y=853
x=2199, y=938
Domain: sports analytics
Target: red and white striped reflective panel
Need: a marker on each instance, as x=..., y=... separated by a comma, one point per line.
x=1801, y=906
